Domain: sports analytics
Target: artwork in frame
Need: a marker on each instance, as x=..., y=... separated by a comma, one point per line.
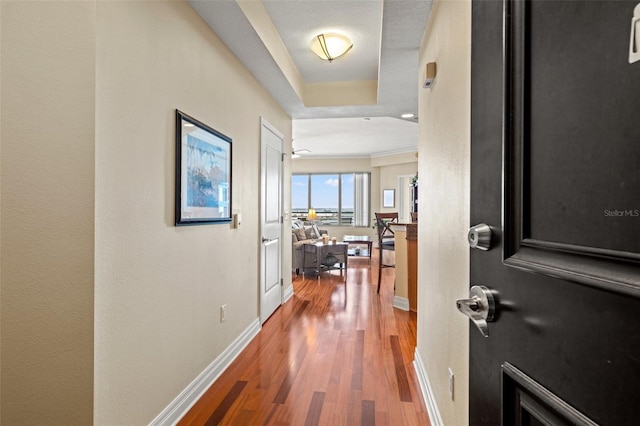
x=388, y=198
x=203, y=173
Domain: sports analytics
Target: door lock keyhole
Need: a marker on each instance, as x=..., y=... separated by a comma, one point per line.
x=479, y=237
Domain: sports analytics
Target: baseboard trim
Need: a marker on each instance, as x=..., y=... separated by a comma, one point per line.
x=288, y=294
x=192, y=393
x=401, y=303
x=427, y=391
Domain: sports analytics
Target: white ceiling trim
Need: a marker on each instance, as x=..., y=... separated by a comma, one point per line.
x=396, y=45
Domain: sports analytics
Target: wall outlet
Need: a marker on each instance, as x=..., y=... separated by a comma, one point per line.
x=223, y=313
x=451, y=384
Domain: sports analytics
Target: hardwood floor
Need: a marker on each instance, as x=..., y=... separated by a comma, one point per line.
x=334, y=354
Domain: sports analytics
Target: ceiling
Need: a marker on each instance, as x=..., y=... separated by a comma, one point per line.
x=350, y=107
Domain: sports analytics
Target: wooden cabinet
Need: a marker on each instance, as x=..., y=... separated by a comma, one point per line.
x=406, y=257
x=412, y=266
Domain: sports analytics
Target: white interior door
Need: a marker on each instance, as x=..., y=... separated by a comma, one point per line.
x=404, y=198
x=270, y=220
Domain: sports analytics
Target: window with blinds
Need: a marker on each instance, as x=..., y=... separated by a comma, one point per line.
x=339, y=199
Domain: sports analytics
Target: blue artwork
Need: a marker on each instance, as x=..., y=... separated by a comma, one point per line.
x=206, y=174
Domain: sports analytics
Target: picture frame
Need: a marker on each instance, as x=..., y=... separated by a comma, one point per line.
x=203, y=173
x=388, y=198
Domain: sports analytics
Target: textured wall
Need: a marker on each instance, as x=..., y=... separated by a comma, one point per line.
x=47, y=266
x=444, y=166
x=159, y=287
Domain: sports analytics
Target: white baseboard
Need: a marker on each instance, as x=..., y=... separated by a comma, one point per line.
x=288, y=294
x=192, y=393
x=401, y=303
x=427, y=392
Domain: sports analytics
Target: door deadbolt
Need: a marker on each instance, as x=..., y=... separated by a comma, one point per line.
x=480, y=307
x=479, y=237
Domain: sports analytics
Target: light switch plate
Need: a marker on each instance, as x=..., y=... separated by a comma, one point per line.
x=236, y=220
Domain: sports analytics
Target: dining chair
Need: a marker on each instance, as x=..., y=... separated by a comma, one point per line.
x=386, y=239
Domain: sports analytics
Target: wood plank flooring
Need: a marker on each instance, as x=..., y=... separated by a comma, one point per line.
x=334, y=354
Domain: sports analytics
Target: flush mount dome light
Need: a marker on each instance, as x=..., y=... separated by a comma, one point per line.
x=330, y=46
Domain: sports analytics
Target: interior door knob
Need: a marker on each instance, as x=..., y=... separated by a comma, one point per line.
x=479, y=237
x=480, y=307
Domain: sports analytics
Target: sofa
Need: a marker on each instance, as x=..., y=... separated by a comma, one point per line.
x=303, y=233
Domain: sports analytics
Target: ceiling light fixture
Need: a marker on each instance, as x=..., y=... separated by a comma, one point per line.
x=330, y=46
x=408, y=115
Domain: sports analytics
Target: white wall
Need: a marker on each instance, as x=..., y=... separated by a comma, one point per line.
x=159, y=287
x=391, y=167
x=389, y=180
x=47, y=198
x=444, y=167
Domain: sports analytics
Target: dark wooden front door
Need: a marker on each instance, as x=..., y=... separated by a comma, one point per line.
x=555, y=172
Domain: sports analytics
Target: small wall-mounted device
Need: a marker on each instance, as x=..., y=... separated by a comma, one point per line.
x=634, y=43
x=430, y=76
x=236, y=220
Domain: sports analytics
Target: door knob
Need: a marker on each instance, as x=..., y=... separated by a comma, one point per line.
x=266, y=240
x=480, y=307
x=479, y=236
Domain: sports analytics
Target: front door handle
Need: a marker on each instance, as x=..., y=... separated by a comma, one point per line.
x=266, y=240
x=479, y=237
x=480, y=307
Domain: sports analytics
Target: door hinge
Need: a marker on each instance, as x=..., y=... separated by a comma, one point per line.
x=281, y=282
x=282, y=159
x=281, y=219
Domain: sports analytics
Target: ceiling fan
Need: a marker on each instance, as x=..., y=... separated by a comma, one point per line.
x=297, y=153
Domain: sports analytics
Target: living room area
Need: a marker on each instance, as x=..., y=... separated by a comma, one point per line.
x=340, y=198
x=392, y=172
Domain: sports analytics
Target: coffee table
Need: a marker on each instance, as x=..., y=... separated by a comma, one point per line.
x=359, y=239
x=321, y=250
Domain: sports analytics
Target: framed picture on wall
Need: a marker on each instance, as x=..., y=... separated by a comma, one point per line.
x=388, y=198
x=203, y=173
